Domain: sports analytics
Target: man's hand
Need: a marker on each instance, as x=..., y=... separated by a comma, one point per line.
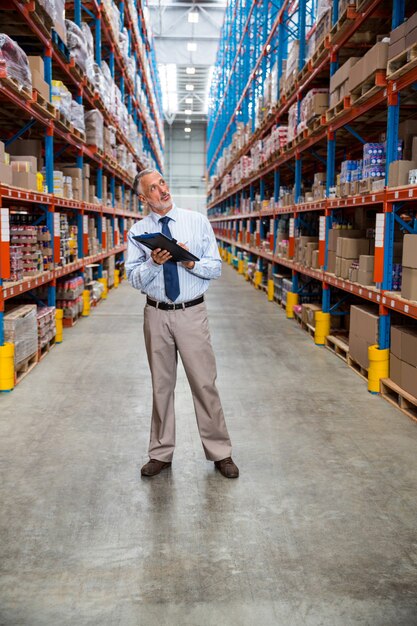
x=188, y=264
x=160, y=256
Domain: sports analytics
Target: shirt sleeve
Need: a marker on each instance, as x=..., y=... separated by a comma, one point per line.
x=140, y=270
x=210, y=265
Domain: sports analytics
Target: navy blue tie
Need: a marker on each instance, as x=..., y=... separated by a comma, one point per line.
x=172, y=283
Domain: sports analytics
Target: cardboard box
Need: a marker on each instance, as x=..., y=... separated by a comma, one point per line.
x=2, y=152
x=86, y=190
x=398, y=172
x=411, y=38
x=36, y=64
x=342, y=73
x=398, y=33
x=409, y=345
x=86, y=170
x=335, y=233
x=396, y=340
x=41, y=86
x=396, y=48
x=348, y=248
x=395, y=369
x=338, y=266
x=76, y=173
x=363, y=332
x=356, y=75
x=410, y=251
x=375, y=59
x=411, y=23
x=331, y=262
x=315, y=260
x=409, y=284
x=358, y=350
x=364, y=322
x=5, y=174
x=345, y=265
x=365, y=278
x=33, y=162
x=26, y=180
x=409, y=379
x=366, y=263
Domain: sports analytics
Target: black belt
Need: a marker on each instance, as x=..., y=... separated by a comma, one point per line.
x=165, y=306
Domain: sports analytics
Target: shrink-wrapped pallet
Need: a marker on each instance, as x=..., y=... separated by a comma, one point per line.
x=15, y=62
x=20, y=328
x=94, y=128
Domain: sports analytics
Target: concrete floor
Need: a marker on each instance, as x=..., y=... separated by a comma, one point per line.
x=320, y=529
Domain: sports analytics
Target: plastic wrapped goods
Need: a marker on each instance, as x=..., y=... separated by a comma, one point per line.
x=50, y=8
x=89, y=62
x=94, y=128
x=77, y=116
x=20, y=328
x=15, y=61
x=77, y=44
x=61, y=98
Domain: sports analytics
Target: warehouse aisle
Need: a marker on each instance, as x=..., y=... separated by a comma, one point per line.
x=319, y=528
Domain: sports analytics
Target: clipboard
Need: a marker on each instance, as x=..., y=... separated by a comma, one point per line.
x=158, y=240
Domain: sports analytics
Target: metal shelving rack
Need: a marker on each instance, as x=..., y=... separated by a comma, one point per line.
x=255, y=37
x=31, y=25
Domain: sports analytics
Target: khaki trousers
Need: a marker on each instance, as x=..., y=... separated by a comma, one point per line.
x=185, y=331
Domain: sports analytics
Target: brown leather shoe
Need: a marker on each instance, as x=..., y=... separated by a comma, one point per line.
x=227, y=468
x=153, y=467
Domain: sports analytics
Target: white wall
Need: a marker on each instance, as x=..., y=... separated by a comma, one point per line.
x=185, y=163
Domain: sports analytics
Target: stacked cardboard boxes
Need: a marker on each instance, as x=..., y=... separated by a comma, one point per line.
x=403, y=37
x=339, y=81
x=374, y=60
x=403, y=358
x=363, y=332
x=409, y=273
x=334, y=235
x=5, y=169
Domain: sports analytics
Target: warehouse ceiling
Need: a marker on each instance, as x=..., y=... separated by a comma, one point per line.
x=186, y=38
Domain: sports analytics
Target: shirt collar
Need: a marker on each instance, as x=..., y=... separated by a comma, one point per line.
x=172, y=214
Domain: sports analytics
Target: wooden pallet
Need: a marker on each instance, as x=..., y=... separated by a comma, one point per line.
x=42, y=105
x=337, y=109
x=399, y=398
x=42, y=352
x=25, y=367
x=320, y=51
x=315, y=125
x=11, y=83
x=354, y=365
x=369, y=87
x=62, y=122
x=69, y=322
x=338, y=346
x=344, y=21
x=402, y=63
x=79, y=134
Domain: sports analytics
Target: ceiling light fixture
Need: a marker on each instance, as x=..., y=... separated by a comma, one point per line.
x=193, y=17
x=190, y=70
x=188, y=112
x=189, y=87
x=192, y=46
x=188, y=100
x=187, y=129
x=188, y=120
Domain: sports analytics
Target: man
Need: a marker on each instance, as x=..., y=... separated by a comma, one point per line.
x=175, y=320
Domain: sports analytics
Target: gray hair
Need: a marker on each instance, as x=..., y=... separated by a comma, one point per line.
x=137, y=185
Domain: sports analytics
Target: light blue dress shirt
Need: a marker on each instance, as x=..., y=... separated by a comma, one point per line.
x=188, y=227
